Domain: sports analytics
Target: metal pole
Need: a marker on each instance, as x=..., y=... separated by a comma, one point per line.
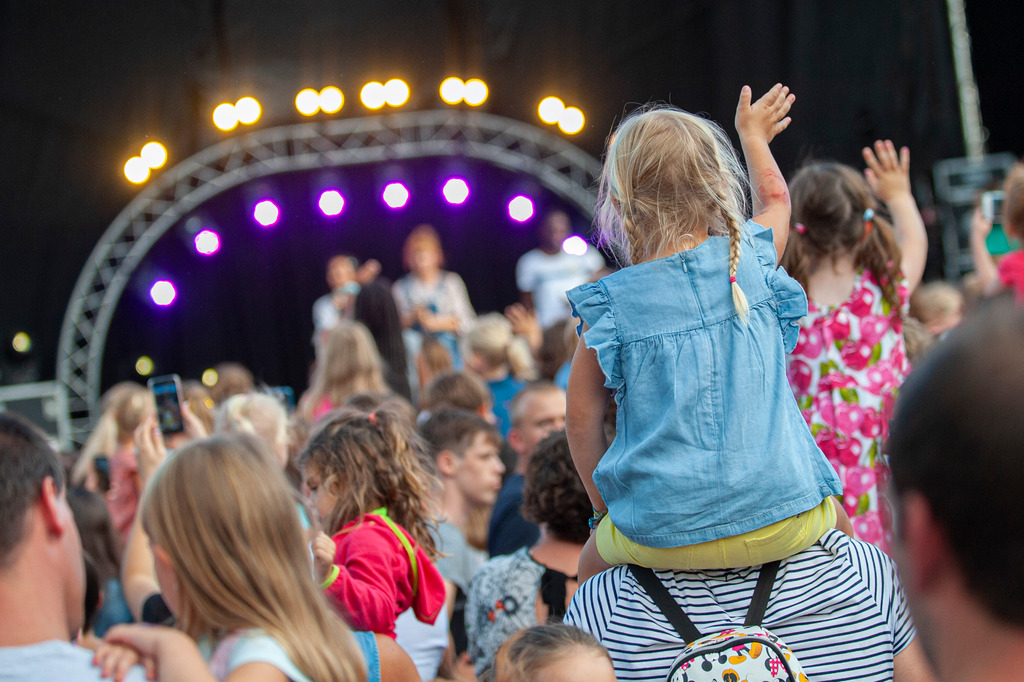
x=967, y=87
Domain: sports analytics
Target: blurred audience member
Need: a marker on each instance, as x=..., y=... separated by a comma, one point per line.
x=501, y=359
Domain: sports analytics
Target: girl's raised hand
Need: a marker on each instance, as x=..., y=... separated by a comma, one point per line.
x=115, y=659
x=324, y=550
x=765, y=118
x=888, y=173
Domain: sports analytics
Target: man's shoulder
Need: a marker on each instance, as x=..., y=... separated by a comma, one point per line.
x=53, y=660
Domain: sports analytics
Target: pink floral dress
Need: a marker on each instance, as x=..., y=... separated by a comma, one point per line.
x=845, y=371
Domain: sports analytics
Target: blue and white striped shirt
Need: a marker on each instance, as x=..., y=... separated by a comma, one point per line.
x=838, y=605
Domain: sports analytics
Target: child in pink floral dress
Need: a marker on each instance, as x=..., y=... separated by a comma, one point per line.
x=850, y=360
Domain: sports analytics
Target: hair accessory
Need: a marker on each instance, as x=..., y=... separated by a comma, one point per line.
x=732, y=279
x=869, y=216
x=801, y=228
x=373, y=418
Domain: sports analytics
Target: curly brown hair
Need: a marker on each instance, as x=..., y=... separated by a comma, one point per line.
x=554, y=493
x=377, y=460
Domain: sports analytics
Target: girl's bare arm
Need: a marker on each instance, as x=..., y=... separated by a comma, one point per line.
x=586, y=401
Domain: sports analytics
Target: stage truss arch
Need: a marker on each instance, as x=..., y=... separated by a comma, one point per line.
x=553, y=162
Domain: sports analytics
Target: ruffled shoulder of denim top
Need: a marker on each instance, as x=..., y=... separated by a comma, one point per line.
x=590, y=303
x=790, y=298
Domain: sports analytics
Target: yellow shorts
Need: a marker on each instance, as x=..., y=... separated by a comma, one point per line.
x=776, y=541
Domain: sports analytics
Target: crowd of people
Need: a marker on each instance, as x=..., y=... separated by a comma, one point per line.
x=752, y=431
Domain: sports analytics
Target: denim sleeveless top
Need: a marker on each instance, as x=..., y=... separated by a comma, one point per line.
x=710, y=442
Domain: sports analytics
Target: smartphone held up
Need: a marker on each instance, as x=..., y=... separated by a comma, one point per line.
x=168, y=398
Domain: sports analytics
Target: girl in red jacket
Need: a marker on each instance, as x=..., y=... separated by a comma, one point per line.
x=371, y=491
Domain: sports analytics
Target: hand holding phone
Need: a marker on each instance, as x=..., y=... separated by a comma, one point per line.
x=168, y=398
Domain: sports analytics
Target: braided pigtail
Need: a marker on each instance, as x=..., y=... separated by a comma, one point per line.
x=739, y=299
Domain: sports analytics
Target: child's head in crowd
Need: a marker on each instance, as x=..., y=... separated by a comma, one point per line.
x=466, y=448
x=459, y=390
x=550, y=653
x=492, y=349
x=835, y=213
x=357, y=462
x=348, y=363
x=938, y=305
x=230, y=554
x=1013, y=202
x=260, y=415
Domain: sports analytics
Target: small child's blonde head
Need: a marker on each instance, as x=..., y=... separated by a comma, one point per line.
x=669, y=178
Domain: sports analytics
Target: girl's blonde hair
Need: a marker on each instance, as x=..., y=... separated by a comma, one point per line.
x=256, y=414
x=348, y=363
x=668, y=177
x=529, y=651
x=222, y=511
x=491, y=339
x=829, y=204
x=378, y=462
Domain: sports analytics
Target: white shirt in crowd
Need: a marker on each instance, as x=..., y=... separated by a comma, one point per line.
x=548, y=276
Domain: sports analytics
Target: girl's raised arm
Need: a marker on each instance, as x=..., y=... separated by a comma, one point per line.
x=757, y=124
x=889, y=176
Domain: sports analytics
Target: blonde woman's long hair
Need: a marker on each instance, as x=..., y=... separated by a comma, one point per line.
x=491, y=339
x=222, y=511
x=668, y=177
x=348, y=363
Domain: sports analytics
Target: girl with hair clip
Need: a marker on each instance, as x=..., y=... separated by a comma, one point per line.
x=850, y=359
x=712, y=465
x=372, y=492
x=234, y=569
x=501, y=359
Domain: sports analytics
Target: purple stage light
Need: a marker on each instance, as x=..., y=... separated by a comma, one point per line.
x=162, y=292
x=455, y=190
x=395, y=195
x=331, y=202
x=266, y=213
x=207, y=242
x=520, y=209
x=575, y=245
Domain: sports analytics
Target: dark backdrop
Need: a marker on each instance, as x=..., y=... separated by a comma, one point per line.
x=82, y=86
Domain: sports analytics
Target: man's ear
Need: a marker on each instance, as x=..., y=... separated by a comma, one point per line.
x=447, y=463
x=513, y=439
x=926, y=545
x=56, y=515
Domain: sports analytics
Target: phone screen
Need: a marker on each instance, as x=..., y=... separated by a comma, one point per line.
x=167, y=395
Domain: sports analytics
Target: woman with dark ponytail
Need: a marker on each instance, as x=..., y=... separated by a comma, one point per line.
x=858, y=269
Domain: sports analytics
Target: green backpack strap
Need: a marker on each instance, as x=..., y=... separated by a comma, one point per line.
x=382, y=513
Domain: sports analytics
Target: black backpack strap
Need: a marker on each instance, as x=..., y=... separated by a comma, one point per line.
x=763, y=590
x=657, y=591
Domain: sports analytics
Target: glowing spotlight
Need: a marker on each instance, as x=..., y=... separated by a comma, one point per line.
x=575, y=245
x=476, y=92
x=136, y=170
x=452, y=90
x=162, y=292
x=248, y=110
x=225, y=117
x=207, y=242
x=373, y=95
x=571, y=121
x=331, y=202
x=307, y=101
x=21, y=342
x=266, y=213
x=210, y=378
x=144, y=366
x=520, y=209
x=396, y=195
x=331, y=100
x=455, y=191
x=550, y=109
x=154, y=154
x=396, y=92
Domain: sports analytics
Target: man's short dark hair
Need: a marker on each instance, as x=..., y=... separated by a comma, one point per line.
x=454, y=430
x=26, y=460
x=957, y=439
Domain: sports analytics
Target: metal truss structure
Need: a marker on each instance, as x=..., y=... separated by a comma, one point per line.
x=556, y=164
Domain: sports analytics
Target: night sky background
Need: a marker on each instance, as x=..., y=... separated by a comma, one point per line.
x=84, y=85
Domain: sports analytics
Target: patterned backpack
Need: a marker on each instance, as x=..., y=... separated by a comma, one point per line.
x=744, y=654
